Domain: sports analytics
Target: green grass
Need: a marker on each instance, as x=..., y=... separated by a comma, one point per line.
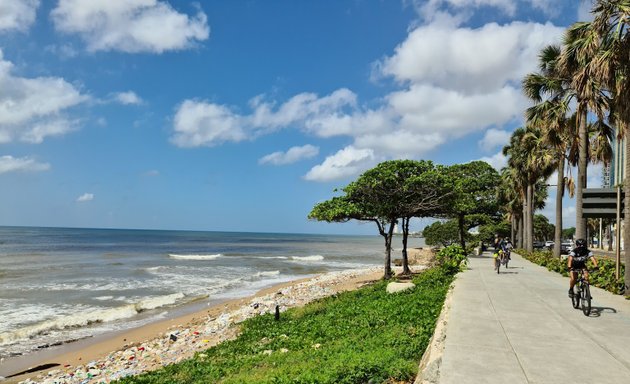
x=360, y=336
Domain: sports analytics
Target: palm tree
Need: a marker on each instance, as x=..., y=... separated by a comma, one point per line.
x=549, y=89
x=510, y=199
x=531, y=159
x=612, y=67
x=579, y=45
x=516, y=166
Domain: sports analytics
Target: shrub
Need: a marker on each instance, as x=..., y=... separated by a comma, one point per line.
x=452, y=259
x=603, y=277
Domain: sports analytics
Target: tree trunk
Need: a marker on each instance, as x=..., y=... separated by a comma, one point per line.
x=513, y=229
x=525, y=219
x=609, y=237
x=388, y=250
x=626, y=229
x=460, y=224
x=531, y=217
x=519, y=234
x=557, y=236
x=405, y=259
x=580, y=223
x=529, y=227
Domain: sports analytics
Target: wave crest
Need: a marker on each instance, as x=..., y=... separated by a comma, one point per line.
x=308, y=258
x=93, y=317
x=195, y=257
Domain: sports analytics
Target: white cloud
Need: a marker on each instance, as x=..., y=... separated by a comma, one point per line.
x=568, y=209
x=453, y=81
x=432, y=9
x=428, y=109
x=497, y=161
x=401, y=143
x=152, y=173
x=291, y=156
x=348, y=162
x=469, y=60
x=85, y=197
x=594, y=174
x=23, y=164
x=435, y=9
x=200, y=123
x=494, y=138
x=17, y=15
x=63, y=51
x=128, y=98
x=584, y=10
x=32, y=109
x=205, y=124
x=130, y=25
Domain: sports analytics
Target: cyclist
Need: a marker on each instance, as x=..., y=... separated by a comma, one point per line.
x=499, y=251
x=577, y=261
x=508, y=248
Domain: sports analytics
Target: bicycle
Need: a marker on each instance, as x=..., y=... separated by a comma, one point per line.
x=501, y=258
x=583, y=295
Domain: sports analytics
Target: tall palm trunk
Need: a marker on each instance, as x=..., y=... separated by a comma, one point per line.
x=519, y=234
x=525, y=221
x=530, y=218
x=580, y=223
x=557, y=236
x=626, y=231
x=513, y=229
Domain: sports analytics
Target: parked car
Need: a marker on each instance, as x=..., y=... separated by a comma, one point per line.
x=549, y=244
x=566, y=247
x=538, y=245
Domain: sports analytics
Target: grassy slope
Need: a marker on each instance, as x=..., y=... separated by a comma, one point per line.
x=355, y=337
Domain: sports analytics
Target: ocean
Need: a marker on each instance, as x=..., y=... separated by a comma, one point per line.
x=63, y=284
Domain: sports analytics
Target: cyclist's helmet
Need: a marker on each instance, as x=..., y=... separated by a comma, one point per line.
x=580, y=242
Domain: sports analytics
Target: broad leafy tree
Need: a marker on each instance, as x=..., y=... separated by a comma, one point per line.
x=386, y=193
x=442, y=233
x=473, y=187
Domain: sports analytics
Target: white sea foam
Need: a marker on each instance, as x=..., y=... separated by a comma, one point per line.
x=308, y=258
x=195, y=257
x=268, y=257
x=84, y=318
x=267, y=273
x=104, y=298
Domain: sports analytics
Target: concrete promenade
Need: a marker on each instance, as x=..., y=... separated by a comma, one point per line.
x=519, y=327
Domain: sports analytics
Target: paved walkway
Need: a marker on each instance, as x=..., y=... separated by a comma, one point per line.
x=519, y=327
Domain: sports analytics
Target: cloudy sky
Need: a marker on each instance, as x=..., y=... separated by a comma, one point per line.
x=241, y=115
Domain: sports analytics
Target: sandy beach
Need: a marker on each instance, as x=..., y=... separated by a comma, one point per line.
x=158, y=344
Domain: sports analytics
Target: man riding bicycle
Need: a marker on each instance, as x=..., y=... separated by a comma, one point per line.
x=577, y=261
x=500, y=251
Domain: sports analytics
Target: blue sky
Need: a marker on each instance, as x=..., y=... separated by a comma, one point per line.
x=241, y=115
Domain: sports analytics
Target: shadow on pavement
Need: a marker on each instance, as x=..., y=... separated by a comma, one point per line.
x=597, y=311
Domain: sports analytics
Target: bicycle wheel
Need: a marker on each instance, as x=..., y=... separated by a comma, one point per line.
x=586, y=299
x=575, y=299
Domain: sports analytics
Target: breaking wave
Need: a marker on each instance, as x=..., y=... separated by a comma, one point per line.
x=83, y=319
x=195, y=257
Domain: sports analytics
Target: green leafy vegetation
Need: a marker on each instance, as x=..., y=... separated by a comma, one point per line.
x=452, y=259
x=602, y=277
x=360, y=336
